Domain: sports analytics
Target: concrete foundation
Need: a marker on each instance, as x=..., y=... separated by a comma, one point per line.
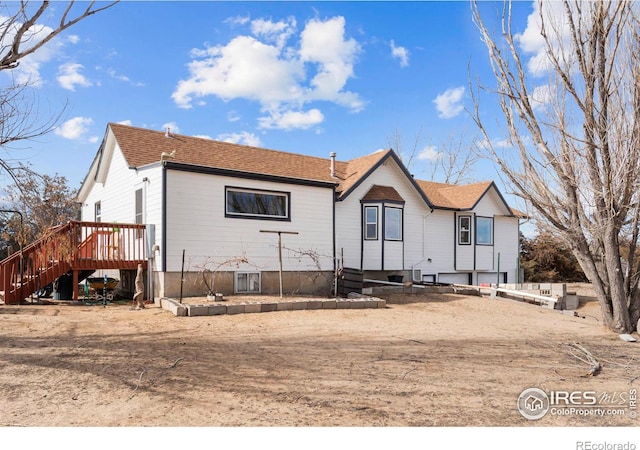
x=170, y=284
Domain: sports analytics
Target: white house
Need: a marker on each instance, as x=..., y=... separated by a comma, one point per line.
x=234, y=215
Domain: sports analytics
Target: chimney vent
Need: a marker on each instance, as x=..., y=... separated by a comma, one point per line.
x=333, y=164
x=168, y=132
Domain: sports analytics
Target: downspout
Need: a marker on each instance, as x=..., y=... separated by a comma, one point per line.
x=335, y=260
x=163, y=249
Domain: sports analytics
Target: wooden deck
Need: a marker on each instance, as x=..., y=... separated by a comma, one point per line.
x=76, y=247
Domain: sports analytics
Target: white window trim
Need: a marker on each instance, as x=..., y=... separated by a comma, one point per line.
x=490, y=219
x=460, y=230
x=366, y=223
x=386, y=228
x=236, y=283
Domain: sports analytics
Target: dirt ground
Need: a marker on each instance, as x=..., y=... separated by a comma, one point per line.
x=445, y=360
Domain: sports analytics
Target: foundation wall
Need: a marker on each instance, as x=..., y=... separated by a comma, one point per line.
x=168, y=284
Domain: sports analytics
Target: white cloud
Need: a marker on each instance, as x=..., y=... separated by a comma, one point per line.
x=531, y=40
x=125, y=122
x=172, y=126
x=203, y=136
x=69, y=76
x=449, y=103
x=401, y=53
x=237, y=20
x=276, y=32
x=244, y=138
x=74, y=129
x=73, y=38
x=430, y=153
x=28, y=72
x=324, y=43
x=542, y=95
x=290, y=120
x=233, y=116
x=269, y=70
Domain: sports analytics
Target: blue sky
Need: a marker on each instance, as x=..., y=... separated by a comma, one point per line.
x=303, y=77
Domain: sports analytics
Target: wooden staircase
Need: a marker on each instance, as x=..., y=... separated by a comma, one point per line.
x=76, y=247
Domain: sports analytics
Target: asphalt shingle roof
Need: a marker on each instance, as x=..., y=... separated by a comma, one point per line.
x=141, y=147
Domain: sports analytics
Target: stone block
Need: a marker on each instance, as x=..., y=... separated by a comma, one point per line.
x=216, y=310
x=381, y=303
x=370, y=303
x=253, y=308
x=329, y=304
x=198, y=310
x=269, y=307
x=236, y=309
x=285, y=306
x=314, y=304
x=173, y=306
x=357, y=304
x=297, y=306
x=343, y=304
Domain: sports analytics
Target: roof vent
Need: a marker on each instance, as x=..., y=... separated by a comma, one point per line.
x=333, y=164
x=167, y=133
x=166, y=155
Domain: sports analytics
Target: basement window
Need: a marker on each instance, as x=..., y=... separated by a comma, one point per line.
x=247, y=282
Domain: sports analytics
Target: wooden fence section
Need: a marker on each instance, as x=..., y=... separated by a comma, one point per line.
x=76, y=247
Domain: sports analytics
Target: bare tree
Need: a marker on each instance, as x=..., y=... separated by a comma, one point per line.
x=574, y=136
x=451, y=162
x=23, y=33
x=44, y=202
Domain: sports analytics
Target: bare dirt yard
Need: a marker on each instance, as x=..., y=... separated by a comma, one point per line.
x=439, y=360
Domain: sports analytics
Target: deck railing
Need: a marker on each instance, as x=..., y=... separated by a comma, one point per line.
x=75, y=246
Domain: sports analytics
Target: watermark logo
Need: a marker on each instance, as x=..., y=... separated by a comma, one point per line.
x=533, y=403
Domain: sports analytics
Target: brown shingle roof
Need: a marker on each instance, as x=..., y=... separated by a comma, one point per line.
x=141, y=147
x=453, y=196
x=378, y=192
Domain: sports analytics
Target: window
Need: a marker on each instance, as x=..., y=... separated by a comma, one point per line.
x=257, y=204
x=97, y=212
x=484, y=230
x=464, y=230
x=393, y=224
x=138, y=217
x=247, y=282
x=371, y=222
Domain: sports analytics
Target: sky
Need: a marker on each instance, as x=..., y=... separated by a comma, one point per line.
x=303, y=77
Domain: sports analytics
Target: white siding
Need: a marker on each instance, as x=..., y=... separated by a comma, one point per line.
x=507, y=245
x=117, y=193
x=196, y=222
x=484, y=257
x=349, y=224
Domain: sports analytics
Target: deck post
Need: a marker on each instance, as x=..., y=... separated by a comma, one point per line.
x=75, y=285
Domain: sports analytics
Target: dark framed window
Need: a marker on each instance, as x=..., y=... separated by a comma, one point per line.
x=484, y=230
x=371, y=223
x=97, y=212
x=464, y=230
x=392, y=224
x=257, y=204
